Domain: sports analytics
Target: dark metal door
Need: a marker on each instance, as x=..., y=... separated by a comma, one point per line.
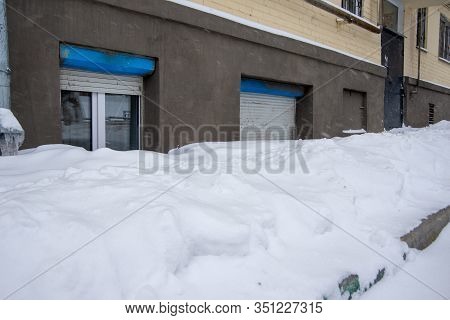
x=392, y=59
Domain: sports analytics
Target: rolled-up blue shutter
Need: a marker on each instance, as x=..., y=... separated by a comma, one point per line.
x=100, y=61
x=267, y=109
x=271, y=88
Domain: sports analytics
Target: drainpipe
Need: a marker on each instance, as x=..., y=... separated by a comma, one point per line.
x=418, y=67
x=419, y=51
x=11, y=132
x=4, y=59
x=416, y=90
x=380, y=13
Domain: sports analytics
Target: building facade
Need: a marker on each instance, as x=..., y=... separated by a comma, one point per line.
x=427, y=67
x=157, y=74
x=415, y=46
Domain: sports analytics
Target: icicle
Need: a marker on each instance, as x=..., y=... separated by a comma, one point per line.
x=11, y=133
x=10, y=143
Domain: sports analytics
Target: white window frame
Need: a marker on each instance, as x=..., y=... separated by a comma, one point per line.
x=423, y=27
x=445, y=54
x=400, y=14
x=98, y=121
x=76, y=80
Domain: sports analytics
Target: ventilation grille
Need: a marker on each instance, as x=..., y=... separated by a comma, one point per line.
x=431, y=113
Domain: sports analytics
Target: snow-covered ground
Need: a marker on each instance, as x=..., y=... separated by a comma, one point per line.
x=431, y=267
x=77, y=224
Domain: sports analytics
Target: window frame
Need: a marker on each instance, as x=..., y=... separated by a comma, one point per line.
x=356, y=5
x=444, y=38
x=98, y=119
x=62, y=117
x=422, y=28
x=397, y=16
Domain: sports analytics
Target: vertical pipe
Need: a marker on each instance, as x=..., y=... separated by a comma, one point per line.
x=420, y=22
x=419, y=50
x=4, y=59
x=380, y=12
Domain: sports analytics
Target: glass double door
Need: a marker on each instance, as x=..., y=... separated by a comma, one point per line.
x=97, y=120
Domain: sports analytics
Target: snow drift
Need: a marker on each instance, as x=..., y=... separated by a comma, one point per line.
x=81, y=225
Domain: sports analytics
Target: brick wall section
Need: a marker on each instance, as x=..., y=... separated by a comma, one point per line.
x=303, y=19
x=432, y=68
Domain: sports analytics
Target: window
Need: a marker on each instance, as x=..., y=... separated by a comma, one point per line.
x=354, y=6
x=421, y=40
x=390, y=15
x=444, y=38
x=76, y=118
x=94, y=120
x=121, y=122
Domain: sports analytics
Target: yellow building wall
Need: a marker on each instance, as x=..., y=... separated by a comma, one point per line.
x=303, y=19
x=432, y=68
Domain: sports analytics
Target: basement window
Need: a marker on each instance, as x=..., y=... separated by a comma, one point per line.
x=430, y=113
x=444, y=38
x=354, y=6
x=421, y=40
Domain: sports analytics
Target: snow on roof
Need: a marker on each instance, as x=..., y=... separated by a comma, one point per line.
x=354, y=131
x=265, y=28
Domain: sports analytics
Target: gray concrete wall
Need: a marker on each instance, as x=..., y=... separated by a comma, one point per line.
x=417, y=102
x=428, y=230
x=200, y=60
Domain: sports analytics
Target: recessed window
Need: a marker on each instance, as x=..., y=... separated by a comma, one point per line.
x=444, y=38
x=94, y=120
x=421, y=40
x=354, y=6
x=390, y=15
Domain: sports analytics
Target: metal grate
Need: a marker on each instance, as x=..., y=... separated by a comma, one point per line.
x=431, y=113
x=354, y=6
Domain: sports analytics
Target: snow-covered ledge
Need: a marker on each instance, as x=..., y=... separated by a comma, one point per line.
x=347, y=15
x=11, y=133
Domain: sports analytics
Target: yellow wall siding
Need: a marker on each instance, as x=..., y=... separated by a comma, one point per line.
x=370, y=10
x=432, y=68
x=303, y=19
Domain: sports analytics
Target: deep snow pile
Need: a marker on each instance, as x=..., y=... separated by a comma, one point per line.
x=116, y=232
